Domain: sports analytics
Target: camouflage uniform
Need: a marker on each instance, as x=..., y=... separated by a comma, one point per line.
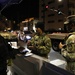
x=42, y=45
x=69, y=53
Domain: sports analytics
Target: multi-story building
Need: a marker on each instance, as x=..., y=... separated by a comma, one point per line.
x=54, y=12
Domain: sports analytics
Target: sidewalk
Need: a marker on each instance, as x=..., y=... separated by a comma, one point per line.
x=57, y=59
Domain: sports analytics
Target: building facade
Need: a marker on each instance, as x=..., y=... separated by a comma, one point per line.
x=54, y=12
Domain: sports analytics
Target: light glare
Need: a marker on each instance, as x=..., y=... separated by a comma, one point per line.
x=59, y=0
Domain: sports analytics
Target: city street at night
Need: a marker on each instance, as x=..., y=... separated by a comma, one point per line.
x=40, y=37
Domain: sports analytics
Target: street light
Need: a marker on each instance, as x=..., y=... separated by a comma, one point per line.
x=59, y=0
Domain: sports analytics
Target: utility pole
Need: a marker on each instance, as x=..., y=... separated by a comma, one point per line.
x=44, y=11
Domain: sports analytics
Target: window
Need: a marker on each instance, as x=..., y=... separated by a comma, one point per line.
x=42, y=16
x=51, y=15
x=61, y=6
x=60, y=20
x=52, y=21
x=51, y=1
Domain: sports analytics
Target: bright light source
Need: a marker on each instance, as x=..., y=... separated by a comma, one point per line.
x=28, y=37
x=59, y=0
x=47, y=6
x=6, y=19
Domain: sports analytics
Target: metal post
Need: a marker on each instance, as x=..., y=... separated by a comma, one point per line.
x=44, y=11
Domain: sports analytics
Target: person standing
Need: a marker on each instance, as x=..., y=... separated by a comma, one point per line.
x=68, y=52
x=68, y=49
x=40, y=43
x=7, y=53
x=3, y=56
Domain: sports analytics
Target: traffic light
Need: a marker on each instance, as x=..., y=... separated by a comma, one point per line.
x=47, y=6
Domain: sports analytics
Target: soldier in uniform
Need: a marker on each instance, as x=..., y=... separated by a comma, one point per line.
x=68, y=51
x=40, y=44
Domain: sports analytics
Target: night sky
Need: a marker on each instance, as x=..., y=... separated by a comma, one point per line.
x=21, y=11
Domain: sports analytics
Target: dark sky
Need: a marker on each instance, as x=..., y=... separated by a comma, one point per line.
x=19, y=12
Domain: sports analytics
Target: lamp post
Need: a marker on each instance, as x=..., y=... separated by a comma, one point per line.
x=59, y=0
